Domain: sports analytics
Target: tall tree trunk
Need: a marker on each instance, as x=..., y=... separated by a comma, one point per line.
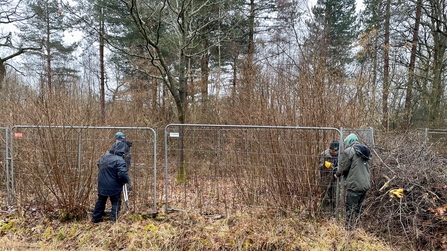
x=251, y=33
x=101, y=67
x=204, y=61
x=439, y=31
x=156, y=96
x=438, y=89
x=409, y=96
x=48, y=52
x=248, y=68
x=181, y=102
x=386, y=67
x=2, y=71
x=374, y=77
x=234, y=79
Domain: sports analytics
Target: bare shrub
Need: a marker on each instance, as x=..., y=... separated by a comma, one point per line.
x=49, y=175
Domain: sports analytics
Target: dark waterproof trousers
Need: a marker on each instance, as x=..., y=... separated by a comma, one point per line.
x=100, y=206
x=354, y=202
x=330, y=196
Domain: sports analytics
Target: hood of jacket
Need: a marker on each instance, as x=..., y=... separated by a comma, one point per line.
x=350, y=139
x=119, y=148
x=362, y=151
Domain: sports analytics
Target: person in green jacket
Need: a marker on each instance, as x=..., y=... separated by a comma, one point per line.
x=354, y=166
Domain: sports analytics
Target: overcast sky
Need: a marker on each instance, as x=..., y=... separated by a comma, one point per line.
x=359, y=4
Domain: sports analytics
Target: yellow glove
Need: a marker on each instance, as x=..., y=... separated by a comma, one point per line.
x=328, y=164
x=398, y=193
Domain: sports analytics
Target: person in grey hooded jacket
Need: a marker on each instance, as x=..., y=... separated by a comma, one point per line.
x=354, y=166
x=112, y=175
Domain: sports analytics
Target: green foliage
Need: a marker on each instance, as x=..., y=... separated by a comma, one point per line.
x=151, y=227
x=334, y=30
x=48, y=233
x=371, y=16
x=46, y=28
x=137, y=217
x=61, y=236
x=7, y=225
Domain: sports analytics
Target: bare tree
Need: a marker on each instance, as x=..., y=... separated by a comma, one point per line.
x=409, y=96
x=386, y=67
x=435, y=10
x=10, y=14
x=170, y=38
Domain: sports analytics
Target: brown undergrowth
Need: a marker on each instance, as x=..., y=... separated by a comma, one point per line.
x=417, y=218
x=186, y=231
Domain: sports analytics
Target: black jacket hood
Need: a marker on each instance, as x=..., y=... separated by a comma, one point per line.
x=362, y=151
x=119, y=148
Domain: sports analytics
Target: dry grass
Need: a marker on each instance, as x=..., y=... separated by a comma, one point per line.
x=186, y=231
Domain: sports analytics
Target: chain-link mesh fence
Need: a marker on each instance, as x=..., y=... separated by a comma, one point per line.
x=208, y=168
x=365, y=135
x=55, y=166
x=4, y=162
x=217, y=169
x=437, y=139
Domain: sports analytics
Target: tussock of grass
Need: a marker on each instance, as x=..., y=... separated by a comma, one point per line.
x=186, y=231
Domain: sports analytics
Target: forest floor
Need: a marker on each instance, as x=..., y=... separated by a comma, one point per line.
x=186, y=231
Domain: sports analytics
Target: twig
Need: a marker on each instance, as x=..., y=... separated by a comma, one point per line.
x=386, y=183
x=391, y=170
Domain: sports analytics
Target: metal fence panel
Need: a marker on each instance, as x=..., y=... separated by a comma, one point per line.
x=4, y=161
x=437, y=138
x=55, y=165
x=366, y=135
x=217, y=169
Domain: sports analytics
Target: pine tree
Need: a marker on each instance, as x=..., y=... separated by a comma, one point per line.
x=47, y=27
x=333, y=31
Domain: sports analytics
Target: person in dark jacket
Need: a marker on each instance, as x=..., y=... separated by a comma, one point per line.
x=328, y=183
x=112, y=175
x=354, y=166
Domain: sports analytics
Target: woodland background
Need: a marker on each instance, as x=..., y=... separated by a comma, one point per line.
x=268, y=62
x=255, y=62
